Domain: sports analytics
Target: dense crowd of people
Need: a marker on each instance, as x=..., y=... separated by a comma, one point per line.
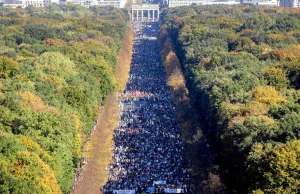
x=148, y=148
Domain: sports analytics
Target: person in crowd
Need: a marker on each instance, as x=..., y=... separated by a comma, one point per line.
x=148, y=148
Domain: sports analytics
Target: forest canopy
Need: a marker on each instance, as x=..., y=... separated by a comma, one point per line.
x=56, y=67
x=242, y=67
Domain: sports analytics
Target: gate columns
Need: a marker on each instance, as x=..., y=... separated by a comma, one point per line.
x=145, y=7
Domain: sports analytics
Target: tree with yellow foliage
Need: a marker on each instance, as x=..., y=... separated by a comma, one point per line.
x=268, y=95
x=276, y=77
x=24, y=167
x=278, y=169
x=8, y=67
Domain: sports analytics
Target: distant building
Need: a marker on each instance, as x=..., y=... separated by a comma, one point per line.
x=48, y=2
x=101, y=3
x=220, y=2
x=14, y=3
x=176, y=3
x=85, y=3
x=35, y=3
x=24, y=3
x=290, y=3
x=113, y=3
x=261, y=2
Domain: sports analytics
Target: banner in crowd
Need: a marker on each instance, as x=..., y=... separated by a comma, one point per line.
x=173, y=190
x=123, y=191
x=159, y=182
x=150, y=189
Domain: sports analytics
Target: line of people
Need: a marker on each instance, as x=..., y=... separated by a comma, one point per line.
x=148, y=148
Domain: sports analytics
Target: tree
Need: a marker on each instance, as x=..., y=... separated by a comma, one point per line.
x=268, y=95
x=23, y=171
x=8, y=67
x=276, y=77
x=279, y=169
x=245, y=102
x=56, y=62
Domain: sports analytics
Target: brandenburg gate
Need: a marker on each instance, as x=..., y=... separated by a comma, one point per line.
x=138, y=11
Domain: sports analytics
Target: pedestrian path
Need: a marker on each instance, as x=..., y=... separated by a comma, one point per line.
x=148, y=148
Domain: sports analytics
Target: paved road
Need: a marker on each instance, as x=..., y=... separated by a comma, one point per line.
x=148, y=150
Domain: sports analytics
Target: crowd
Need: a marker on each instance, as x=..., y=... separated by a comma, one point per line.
x=148, y=148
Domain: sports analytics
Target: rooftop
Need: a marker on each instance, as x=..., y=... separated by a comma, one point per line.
x=12, y=1
x=145, y=6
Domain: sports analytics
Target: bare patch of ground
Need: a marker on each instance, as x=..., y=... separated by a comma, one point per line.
x=94, y=173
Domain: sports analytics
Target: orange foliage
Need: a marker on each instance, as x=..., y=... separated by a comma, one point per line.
x=206, y=60
x=286, y=55
x=2, y=86
x=165, y=42
x=214, y=181
x=257, y=108
x=30, y=100
x=41, y=175
x=171, y=63
x=55, y=42
x=175, y=79
x=235, y=119
x=174, y=75
x=124, y=58
x=187, y=117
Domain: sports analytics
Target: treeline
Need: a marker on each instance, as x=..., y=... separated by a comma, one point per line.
x=57, y=65
x=200, y=165
x=242, y=67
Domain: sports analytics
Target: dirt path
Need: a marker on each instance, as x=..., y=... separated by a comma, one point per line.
x=94, y=173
